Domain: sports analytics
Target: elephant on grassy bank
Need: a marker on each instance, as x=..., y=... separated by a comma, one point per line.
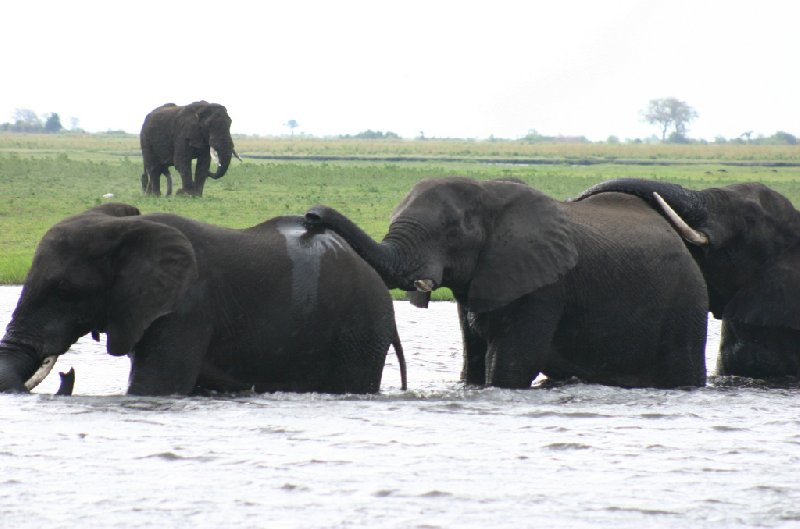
x=603, y=290
x=746, y=240
x=199, y=307
x=174, y=135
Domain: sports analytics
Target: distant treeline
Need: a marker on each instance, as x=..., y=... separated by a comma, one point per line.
x=372, y=135
x=27, y=121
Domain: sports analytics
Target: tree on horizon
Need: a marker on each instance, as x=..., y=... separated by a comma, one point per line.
x=667, y=112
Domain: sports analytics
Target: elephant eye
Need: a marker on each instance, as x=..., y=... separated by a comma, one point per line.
x=66, y=290
x=63, y=289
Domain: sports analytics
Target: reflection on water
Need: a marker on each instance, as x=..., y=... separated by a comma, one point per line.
x=440, y=455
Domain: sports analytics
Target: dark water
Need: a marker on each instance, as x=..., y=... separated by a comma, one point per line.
x=576, y=455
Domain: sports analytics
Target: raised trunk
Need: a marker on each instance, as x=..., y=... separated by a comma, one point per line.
x=384, y=257
x=690, y=205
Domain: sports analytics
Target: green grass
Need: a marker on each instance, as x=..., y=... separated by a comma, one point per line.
x=44, y=178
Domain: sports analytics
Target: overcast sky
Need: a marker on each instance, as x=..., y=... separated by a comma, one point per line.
x=446, y=68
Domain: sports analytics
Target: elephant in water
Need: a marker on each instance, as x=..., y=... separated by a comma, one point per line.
x=175, y=135
x=746, y=240
x=199, y=307
x=603, y=290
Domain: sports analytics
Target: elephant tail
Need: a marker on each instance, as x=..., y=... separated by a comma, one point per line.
x=401, y=359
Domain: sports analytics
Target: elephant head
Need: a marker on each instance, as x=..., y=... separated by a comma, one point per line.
x=490, y=242
x=105, y=270
x=208, y=125
x=746, y=239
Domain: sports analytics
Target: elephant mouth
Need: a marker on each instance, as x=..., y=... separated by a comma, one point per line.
x=47, y=366
x=422, y=295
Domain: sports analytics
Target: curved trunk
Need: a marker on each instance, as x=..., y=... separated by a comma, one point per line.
x=689, y=204
x=383, y=257
x=16, y=367
x=223, y=160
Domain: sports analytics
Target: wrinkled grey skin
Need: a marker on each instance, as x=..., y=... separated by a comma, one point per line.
x=200, y=308
x=174, y=135
x=603, y=290
x=751, y=266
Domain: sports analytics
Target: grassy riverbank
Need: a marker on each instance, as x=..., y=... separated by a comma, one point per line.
x=44, y=178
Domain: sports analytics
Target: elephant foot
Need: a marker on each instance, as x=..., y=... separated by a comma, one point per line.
x=185, y=193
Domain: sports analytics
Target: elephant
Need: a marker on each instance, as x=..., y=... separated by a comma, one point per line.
x=200, y=308
x=174, y=135
x=603, y=290
x=746, y=239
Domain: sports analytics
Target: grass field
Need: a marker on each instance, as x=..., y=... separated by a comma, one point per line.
x=44, y=178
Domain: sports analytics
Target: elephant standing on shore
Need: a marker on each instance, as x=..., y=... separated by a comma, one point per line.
x=603, y=290
x=746, y=240
x=199, y=307
x=174, y=135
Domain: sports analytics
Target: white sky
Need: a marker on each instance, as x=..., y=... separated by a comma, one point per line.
x=448, y=68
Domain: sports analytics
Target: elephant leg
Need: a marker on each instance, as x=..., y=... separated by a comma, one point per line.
x=201, y=172
x=758, y=352
x=169, y=358
x=184, y=168
x=151, y=181
x=681, y=357
x=357, y=355
x=520, y=341
x=155, y=182
x=474, y=367
x=169, y=181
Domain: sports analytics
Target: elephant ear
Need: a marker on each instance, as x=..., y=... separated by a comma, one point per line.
x=529, y=246
x=190, y=126
x=771, y=299
x=196, y=134
x=154, y=264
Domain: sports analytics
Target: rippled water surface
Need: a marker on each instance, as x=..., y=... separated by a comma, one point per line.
x=439, y=455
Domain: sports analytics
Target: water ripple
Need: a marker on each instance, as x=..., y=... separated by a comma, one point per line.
x=560, y=454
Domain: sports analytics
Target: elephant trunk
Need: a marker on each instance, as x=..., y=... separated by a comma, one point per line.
x=384, y=257
x=688, y=204
x=17, y=367
x=221, y=154
x=23, y=362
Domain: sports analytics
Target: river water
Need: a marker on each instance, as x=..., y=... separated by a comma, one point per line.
x=436, y=456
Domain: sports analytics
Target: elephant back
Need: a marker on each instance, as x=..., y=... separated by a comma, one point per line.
x=326, y=270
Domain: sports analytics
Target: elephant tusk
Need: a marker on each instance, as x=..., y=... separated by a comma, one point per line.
x=424, y=285
x=237, y=155
x=214, y=156
x=687, y=232
x=41, y=373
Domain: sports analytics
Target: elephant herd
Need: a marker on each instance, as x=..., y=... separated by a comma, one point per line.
x=611, y=287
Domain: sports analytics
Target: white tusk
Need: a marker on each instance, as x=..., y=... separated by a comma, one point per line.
x=686, y=231
x=424, y=285
x=41, y=373
x=214, y=156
